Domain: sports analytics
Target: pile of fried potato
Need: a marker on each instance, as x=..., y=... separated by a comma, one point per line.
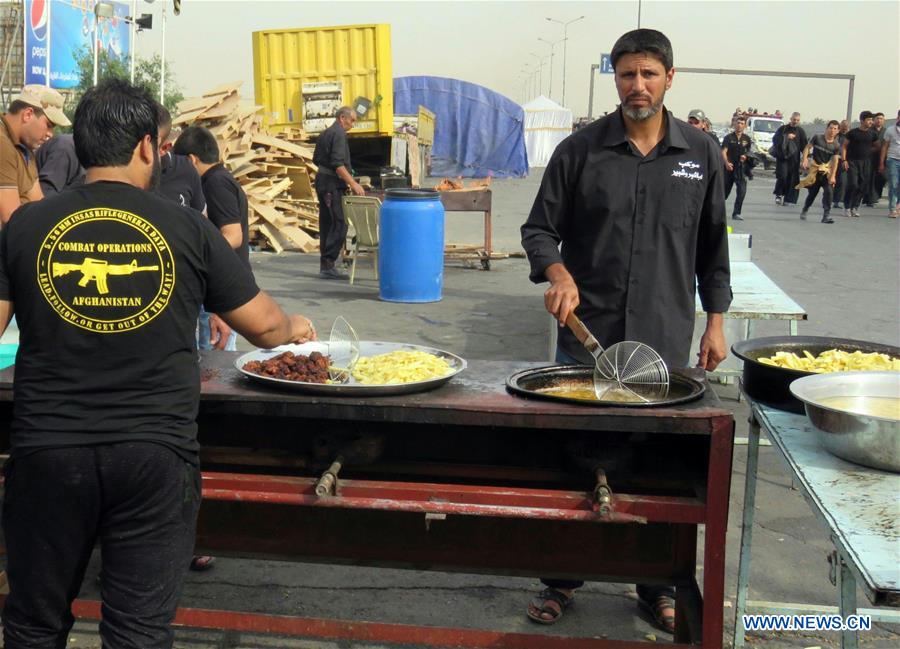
x=833, y=360
x=401, y=366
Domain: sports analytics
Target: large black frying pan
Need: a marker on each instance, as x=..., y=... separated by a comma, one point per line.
x=769, y=384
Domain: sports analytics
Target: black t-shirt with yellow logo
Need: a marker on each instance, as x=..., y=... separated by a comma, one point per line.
x=107, y=282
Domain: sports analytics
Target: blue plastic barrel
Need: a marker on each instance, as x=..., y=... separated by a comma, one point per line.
x=411, y=246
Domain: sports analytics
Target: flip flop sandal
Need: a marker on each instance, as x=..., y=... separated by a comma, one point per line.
x=539, y=605
x=202, y=563
x=654, y=610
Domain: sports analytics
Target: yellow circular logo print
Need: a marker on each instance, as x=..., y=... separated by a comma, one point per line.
x=106, y=270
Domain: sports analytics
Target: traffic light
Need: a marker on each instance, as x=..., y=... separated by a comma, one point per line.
x=177, y=4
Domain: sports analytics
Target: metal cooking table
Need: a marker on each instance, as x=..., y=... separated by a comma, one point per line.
x=465, y=478
x=858, y=507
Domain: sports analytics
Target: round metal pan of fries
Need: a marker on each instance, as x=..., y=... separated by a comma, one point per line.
x=771, y=364
x=383, y=368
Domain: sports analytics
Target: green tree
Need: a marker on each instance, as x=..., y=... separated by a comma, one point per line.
x=146, y=75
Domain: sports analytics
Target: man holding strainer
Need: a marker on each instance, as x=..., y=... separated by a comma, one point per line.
x=628, y=221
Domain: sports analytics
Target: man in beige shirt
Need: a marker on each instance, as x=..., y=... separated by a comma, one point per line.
x=27, y=124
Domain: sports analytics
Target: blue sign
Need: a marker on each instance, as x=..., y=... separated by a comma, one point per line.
x=606, y=66
x=67, y=26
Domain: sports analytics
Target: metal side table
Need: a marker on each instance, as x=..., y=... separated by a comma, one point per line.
x=864, y=528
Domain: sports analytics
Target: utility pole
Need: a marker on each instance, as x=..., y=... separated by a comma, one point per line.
x=133, y=32
x=565, y=48
x=162, y=65
x=540, y=72
x=552, y=45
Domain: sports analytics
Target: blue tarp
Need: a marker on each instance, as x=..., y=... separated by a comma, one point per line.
x=478, y=132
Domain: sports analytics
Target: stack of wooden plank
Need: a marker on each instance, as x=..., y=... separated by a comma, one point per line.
x=275, y=170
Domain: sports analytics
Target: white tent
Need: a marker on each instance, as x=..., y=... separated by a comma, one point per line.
x=546, y=125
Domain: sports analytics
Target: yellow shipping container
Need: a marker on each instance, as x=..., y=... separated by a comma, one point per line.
x=356, y=56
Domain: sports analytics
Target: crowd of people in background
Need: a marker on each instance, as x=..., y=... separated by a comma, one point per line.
x=849, y=166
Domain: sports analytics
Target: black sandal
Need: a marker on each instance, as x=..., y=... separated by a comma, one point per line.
x=655, y=611
x=540, y=604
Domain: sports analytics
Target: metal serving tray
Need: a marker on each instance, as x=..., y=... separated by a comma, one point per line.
x=529, y=383
x=351, y=388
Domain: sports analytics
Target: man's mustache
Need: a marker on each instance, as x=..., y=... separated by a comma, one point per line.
x=639, y=95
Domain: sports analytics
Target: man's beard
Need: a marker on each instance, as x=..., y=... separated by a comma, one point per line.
x=155, y=173
x=641, y=114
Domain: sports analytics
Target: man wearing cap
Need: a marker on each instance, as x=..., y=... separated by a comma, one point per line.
x=697, y=119
x=25, y=126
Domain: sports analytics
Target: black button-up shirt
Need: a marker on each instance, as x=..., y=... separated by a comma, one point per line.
x=638, y=234
x=332, y=151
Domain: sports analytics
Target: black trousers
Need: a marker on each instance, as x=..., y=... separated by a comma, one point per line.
x=859, y=176
x=648, y=593
x=736, y=178
x=139, y=500
x=813, y=190
x=876, y=182
x=332, y=226
x=787, y=175
x=840, y=185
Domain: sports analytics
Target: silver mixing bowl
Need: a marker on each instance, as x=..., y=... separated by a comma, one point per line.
x=866, y=440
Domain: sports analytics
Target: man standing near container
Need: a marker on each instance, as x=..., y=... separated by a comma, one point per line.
x=24, y=127
x=332, y=156
x=106, y=280
x=636, y=201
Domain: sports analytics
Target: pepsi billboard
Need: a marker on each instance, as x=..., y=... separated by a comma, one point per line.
x=67, y=26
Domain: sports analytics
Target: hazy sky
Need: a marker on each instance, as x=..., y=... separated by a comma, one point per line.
x=490, y=43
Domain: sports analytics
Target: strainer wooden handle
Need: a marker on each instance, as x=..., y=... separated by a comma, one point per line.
x=584, y=336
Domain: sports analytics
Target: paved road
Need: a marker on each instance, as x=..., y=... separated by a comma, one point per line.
x=845, y=275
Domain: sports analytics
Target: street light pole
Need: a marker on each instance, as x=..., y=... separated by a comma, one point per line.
x=552, y=45
x=133, y=18
x=540, y=71
x=162, y=66
x=565, y=48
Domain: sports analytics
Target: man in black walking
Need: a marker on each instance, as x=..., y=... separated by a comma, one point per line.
x=787, y=143
x=736, y=154
x=856, y=156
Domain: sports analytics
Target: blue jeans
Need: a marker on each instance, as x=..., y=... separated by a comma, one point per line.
x=892, y=166
x=203, y=334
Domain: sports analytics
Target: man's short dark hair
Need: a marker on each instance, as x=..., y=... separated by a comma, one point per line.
x=878, y=114
x=17, y=107
x=833, y=122
x=644, y=41
x=163, y=120
x=198, y=141
x=110, y=120
x=866, y=114
x=740, y=118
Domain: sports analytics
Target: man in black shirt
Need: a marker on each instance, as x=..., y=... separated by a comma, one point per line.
x=857, y=160
x=636, y=201
x=787, y=143
x=736, y=154
x=697, y=118
x=826, y=153
x=226, y=205
x=106, y=280
x=179, y=180
x=332, y=156
x=840, y=185
x=58, y=166
x=876, y=186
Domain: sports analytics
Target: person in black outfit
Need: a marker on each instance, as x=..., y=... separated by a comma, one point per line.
x=106, y=281
x=736, y=154
x=876, y=186
x=226, y=205
x=826, y=155
x=58, y=166
x=630, y=216
x=332, y=156
x=840, y=185
x=787, y=143
x=179, y=180
x=857, y=160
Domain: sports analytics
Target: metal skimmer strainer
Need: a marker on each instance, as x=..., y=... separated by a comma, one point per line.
x=628, y=366
x=343, y=349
